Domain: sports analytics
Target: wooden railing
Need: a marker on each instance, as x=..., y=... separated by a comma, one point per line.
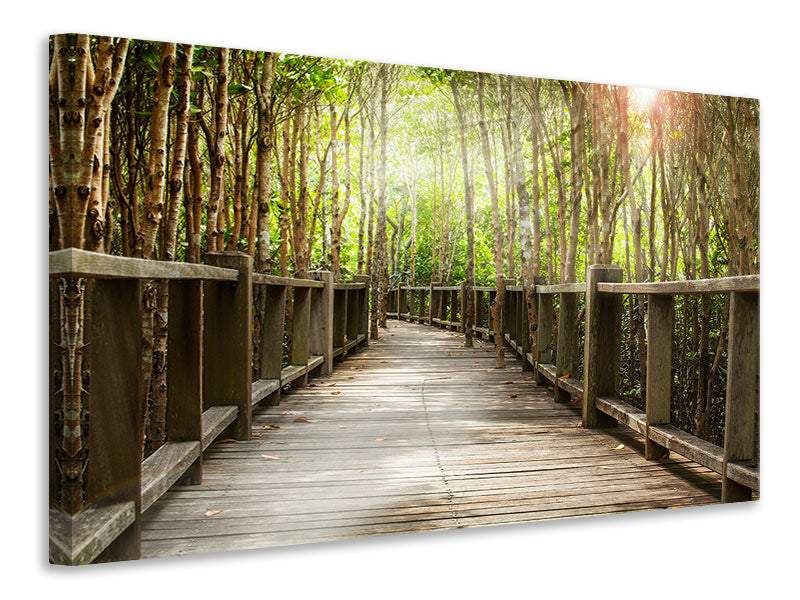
x=556, y=361
x=96, y=404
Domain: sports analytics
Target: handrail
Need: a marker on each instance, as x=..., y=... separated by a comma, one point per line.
x=741, y=283
x=562, y=288
x=72, y=262
x=210, y=389
x=263, y=279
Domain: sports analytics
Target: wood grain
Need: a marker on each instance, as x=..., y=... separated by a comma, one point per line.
x=415, y=433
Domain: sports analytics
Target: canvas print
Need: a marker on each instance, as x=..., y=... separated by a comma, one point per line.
x=298, y=299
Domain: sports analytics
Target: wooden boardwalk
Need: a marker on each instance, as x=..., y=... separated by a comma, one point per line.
x=415, y=433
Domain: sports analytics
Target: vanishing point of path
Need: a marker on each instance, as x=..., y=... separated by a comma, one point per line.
x=415, y=433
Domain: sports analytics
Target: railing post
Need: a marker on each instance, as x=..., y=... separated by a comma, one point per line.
x=742, y=389
x=508, y=309
x=544, y=337
x=301, y=329
x=227, y=332
x=567, y=328
x=528, y=344
x=321, y=325
x=341, y=311
x=453, y=313
x=114, y=465
x=477, y=302
x=602, y=343
x=521, y=329
x=272, y=330
x=351, y=322
x=431, y=302
x=363, y=308
x=499, y=287
x=184, y=418
x=397, y=299
x=660, y=326
x=402, y=301
x=463, y=305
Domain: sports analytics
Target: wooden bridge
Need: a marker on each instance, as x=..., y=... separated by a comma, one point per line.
x=342, y=437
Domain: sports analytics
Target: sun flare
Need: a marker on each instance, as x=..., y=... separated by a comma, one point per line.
x=643, y=98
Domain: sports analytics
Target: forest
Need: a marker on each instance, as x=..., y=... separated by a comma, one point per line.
x=408, y=174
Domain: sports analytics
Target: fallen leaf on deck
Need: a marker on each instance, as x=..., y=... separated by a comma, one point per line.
x=331, y=384
x=270, y=427
x=334, y=393
x=512, y=396
x=268, y=457
x=303, y=420
x=225, y=441
x=577, y=399
x=380, y=439
x=617, y=447
x=345, y=426
x=565, y=376
x=605, y=467
x=211, y=513
x=507, y=382
x=527, y=378
x=579, y=424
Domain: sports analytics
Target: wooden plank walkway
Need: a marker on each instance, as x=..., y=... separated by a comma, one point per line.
x=416, y=433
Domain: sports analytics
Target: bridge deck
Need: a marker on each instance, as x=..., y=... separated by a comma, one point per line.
x=416, y=433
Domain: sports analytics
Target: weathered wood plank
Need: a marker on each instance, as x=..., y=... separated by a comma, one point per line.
x=227, y=334
x=72, y=262
x=272, y=330
x=548, y=370
x=623, y=412
x=264, y=279
x=215, y=420
x=80, y=539
x=262, y=388
x=164, y=467
x=743, y=283
x=415, y=433
x=113, y=471
x=741, y=397
x=562, y=288
x=185, y=368
x=602, y=343
x=660, y=326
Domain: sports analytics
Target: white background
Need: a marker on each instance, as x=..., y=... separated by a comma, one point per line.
x=734, y=48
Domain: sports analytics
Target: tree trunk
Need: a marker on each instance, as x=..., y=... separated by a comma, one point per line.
x=575, y=100
x=76, y=136
x=379, y=275
x=529, y=260
x=497, y=228
x=215, y=238
x=264, y=77
x=469, y=209
x=177, y=171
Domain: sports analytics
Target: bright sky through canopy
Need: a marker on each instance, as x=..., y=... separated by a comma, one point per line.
x=643, y=98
